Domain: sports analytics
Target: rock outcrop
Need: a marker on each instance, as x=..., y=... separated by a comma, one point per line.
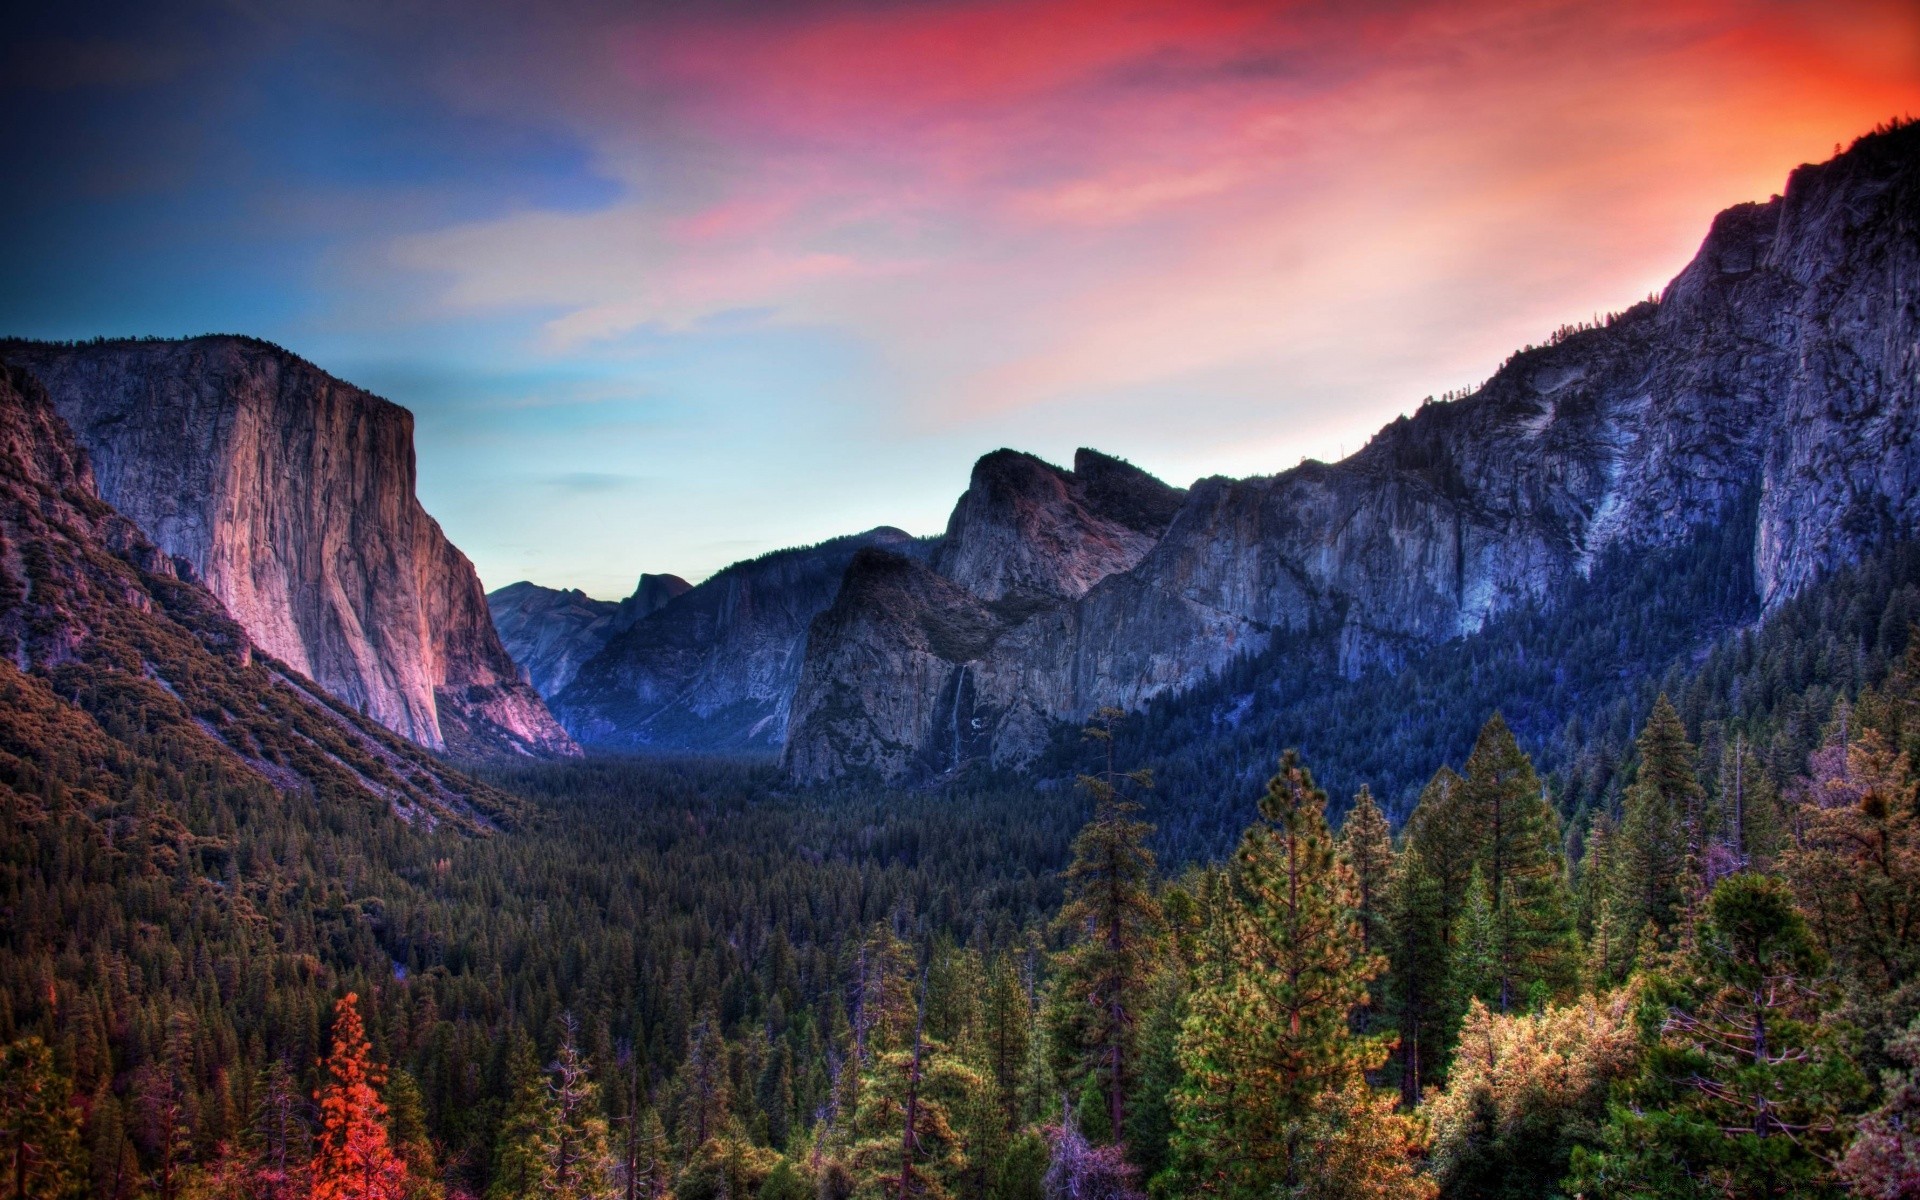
x=112, y=665
x=551, y=631
x=1776, y=380
x=290, y=494
x=713, y=670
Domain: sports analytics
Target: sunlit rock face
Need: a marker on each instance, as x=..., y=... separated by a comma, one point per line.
x=1773, y=382
x=290, y=494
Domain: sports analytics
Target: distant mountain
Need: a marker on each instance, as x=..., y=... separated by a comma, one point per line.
x=550, y=631
x=1773, y=383
x=119, y=680
x=713, y=670
x=291, y=495
x=901, y=676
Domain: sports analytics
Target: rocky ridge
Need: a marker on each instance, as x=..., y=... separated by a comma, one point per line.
x=713, y=670
x=1776, y=376
x=290, y=494
x=550, y=632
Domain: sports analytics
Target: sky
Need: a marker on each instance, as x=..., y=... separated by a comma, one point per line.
x=668, y=285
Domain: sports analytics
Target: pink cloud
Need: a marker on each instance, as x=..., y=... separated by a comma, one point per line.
x=1065, y=204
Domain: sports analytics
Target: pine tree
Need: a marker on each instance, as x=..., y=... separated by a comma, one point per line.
x=516, y=1163
x=39, y=1127
x=1518, y=854
x=1112, y=922
x=1443, y=831
x=407, y=1128
x=1007, y=1023
x=901, y=1140
x=1366, y=849
x=1523, y=1091
x=705, y=1096
x=280, y=1134
x=1417, y=951
x=1753, y=829
x=1609, y=948
x=1268, y=1036
x=355, y=1161
x=1474, y=970
x=1743, y=1093
x=1660, y=833
x=574, y=1160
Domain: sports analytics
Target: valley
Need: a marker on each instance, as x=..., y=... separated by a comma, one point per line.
x=1525, y=805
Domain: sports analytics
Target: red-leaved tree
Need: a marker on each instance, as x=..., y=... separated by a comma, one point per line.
x=355, y=1162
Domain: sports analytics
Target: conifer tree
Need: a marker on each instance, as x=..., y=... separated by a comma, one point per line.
x=902, y=1139
x=516, y=1156
x=407, y=1129
x=1442, y=829
x=1430, y=890
x=1660, y=832
x=280, y=1134
x=39, y=1127
x=1743, y=1092
x=1417, y=952
x=1523, y=1091
x=1007, y=1025
x=1113, y=923
x=1366, y=847
x=572, y=1152
x=1751, y=824
x=355, y=1160
x=1609, y=948
x=1474, y=970
x=1520, y=861
x=705, y=1096
x=1268, y=1040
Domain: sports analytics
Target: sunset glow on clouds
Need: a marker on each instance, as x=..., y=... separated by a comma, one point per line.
x=813, y=259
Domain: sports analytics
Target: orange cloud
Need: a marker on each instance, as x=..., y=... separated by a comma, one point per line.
x=1247, y=209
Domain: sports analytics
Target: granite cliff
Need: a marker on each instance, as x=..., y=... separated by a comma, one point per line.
x=290, y=495
x=713, y=670
x=114, y=668
x=1773, y=381
x=551, y=631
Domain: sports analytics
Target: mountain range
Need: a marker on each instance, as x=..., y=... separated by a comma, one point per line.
x=1768, y=392
x=1772, y=383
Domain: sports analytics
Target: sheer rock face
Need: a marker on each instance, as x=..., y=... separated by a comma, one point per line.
x=550, y=631
x=109, y=657
x=713, y=670
x=1027, y=529
x=290, y=494
x=919, y=667
x=1774, y=382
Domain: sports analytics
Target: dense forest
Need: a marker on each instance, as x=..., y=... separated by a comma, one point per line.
x=1656, y=938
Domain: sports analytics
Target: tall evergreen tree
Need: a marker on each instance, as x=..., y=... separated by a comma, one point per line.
x=1743, y=1093
x=355, y=1160
x=1609, y=945
x=1113, y=925
x=574, y=1158
x=1366, y=847
x=516, y=1165
x=1007, y=1025
x=1417, y=952
x=1268, y=1036
x=39, y=1127
x=1660, y=832
x=1519, y=857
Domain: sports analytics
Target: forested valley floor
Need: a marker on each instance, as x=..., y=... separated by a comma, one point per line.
x=1678, y=960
